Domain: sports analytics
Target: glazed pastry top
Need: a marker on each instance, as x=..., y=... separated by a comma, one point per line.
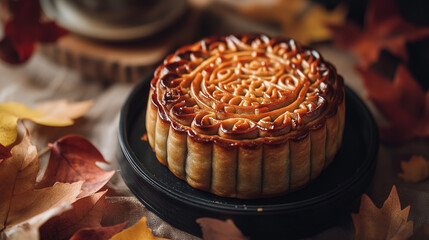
x=246, y=87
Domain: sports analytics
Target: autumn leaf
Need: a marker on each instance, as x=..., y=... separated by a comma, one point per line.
x=24, y=29
x=384, y=29
x=58, y=113
x=15, y=53
x=86, y=213
x=30, y=229
x=214, y=229
x=415, y=170
x=312, y=26
x=4, y=153
x=61, y=113
x=279, y=11
x=387, y=222
x=73, y=158
x=402, y=102
x=304, y=21
x=21, y=201
x=138, y=231
x=98, y=233
x=144, y=137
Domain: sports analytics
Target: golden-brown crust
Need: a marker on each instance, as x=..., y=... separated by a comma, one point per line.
x=246, y=115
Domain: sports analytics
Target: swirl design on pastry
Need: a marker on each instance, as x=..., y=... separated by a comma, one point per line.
x=244, y=88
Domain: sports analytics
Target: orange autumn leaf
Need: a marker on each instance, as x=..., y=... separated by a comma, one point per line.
x=387, y=222
x=282, y=11
x=313, y=25
x=384, y=29
x=23, y=205
x=302, y=20
x=215, y=229
x=144, y=137
x=139, y=231
x=98, y=233
x=414, y=170
x=73, y=158
x=56, y=113
x=86, y=213
x=402, y=102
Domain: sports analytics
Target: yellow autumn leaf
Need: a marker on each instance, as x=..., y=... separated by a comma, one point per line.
x=8, y=130
x=282, y=11
x=55, y=113
x=415, y=170
x=302, y=20
x=19, y=110
x=313, y=25
x=139, y=231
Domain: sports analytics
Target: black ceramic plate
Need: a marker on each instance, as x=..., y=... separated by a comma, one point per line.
x=322, y=203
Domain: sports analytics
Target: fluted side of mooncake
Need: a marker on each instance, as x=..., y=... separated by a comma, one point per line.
x=261, y=170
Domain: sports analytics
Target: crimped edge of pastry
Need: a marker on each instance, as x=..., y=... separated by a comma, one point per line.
x=245, y=169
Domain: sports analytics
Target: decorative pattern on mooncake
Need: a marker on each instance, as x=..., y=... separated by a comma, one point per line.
x=246, y=116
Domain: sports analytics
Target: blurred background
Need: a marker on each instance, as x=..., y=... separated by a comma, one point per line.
x=123, y=40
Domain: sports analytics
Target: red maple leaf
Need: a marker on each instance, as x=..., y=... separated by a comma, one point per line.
x=384, y=29
x=24, y=29
x=73, y=158
x=403, y=102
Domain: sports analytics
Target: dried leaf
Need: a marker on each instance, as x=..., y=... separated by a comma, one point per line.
x=24, y=29
x=415, y=170
x=384, y=29
x=282, y=11
x=98, y=233
x=30, y=229
x=73, y=158
x=56, y=113
x=403, y=102
x=312, y=26
x=214, y=229
x=144, y=137
x=86, y=213
x=21, y=201
x=302, y=20
x=387, y=222
x=61, y=113
x=138, y=231
x=4, y=153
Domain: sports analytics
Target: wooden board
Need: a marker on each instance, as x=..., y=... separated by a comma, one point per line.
x=121, y=62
